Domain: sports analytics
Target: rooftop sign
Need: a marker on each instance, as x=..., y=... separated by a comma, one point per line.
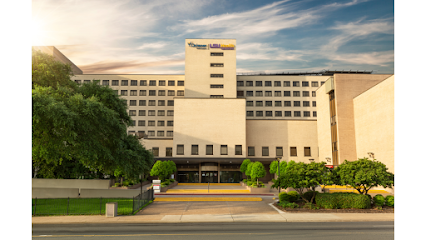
x=205, y=46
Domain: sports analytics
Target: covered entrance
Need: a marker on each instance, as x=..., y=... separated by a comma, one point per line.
x=209, y=176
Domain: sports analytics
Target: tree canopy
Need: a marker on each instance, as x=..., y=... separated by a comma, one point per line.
x=163, y=169
x=257, y=171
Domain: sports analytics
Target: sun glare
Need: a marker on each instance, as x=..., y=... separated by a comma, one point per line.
x=37, y=33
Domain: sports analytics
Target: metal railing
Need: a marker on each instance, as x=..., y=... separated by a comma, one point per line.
x=142, y=199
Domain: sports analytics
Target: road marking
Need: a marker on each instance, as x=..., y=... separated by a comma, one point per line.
x=208, y=199
x=278, y=210
x=163, y=234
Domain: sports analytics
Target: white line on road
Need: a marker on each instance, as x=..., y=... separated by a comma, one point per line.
x=271, y=204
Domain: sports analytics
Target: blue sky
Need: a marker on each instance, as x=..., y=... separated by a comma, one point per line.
x=272, y=36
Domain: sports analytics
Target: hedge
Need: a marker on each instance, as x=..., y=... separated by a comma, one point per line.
x=291, y=196
x=342, y=200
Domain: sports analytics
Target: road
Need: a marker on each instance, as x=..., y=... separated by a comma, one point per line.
x=208, y=231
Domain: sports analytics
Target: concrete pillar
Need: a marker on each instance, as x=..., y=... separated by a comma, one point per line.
x=218, y=172
x=199, y=172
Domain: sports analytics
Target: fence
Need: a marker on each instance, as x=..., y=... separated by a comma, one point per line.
x=88, y=206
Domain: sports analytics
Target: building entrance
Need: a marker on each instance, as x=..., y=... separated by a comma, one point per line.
x=209, y=176
x=187, y=177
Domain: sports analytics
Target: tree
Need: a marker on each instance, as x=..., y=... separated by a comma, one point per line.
x=163, y=169
x=273, y=167
x=248, y=171
x=364, y=174
x=243, y=166
x=171, y=167
x=257, y=171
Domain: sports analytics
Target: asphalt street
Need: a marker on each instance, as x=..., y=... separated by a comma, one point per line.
x=207, y=231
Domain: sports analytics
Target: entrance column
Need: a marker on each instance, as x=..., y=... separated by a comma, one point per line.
x=199, y=172
x=218, y=172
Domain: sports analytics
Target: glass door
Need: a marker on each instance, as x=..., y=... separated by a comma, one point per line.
x=209, y=176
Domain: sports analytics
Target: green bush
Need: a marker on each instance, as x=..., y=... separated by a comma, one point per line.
x=295, y=196
x=171, y=180
x=244, y=180
x=117, y=184
x=379, y=200
x=310, y=206
x=342, y=200
x=288, y=197
x=286, y=204
x=249, y=183
x=390, y=200
x=308, y=195
x=126, y=183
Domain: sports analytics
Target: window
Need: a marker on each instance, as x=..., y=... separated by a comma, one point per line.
x=133, y=82
x=170, y=102
x=151, y=123
x=124, y=82
x=216, y=96
x=181, y=83
x=238, y=150
x=161, y=92
x=194, y=150
x=259, y=93
x=268, y=103
x=160, y=133
x=296, y=94
x=305, y=84
x=169, y=152
x=170, y=113
x=216, y=64
x=240, y=83
x=142, y=102
x=277, y=83
x=314, y=84
x=171, y=83
x=170, y=92
x=259, y=113
x=155, y=151
x=314, y=113
x=322, y=83
x=161, y=103
x=297, y=113
x=286, y=83
x=105, y=82
x=123, y=92
x=268, y=93
x=142, y=83
x=79, y=81
x=142, y=92
x=287, y=94
x=216, y=75
x=179, y=150
x=277, y=94
x=240, y=93
x=132, y=113
x=216, y=54
x=279, y=151
x=268, y=84
x=160, y=124
x=151, y=103
x=114, y=83
x=250, y=151
x=170, y=123
x=293, y=152
x=287, y=113
x=249, y=83
x=268, y=113
x=161, y=113
x=162, y=83
x=223, y=149
x=296, y=84
x=133, y=92
x=265, y=151
x=306, y=113
x=249, y=103
x=278, y=113
x=258, y=83
x=209, y=149
x=151, y=112
x=277, y=103
x=249, y=93
x=141, y=112
x=141, y=134
x=152, y=83
x=249, y=113
x=306, y=93
x=216, y=85
x=306, y=103
x=307, y=151
x=296, y=104
x=151, y=133
x=314, y=94
x=141, y=123
x=180, y=93
x=151, y=92
x=169, y=133
x=132, y=102
x=259, y=103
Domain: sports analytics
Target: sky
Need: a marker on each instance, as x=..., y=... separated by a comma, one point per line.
x=148, y=37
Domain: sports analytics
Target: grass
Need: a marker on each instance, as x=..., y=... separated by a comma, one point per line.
x=80, y=206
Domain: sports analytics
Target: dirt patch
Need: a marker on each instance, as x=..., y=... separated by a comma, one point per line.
x=301, y=209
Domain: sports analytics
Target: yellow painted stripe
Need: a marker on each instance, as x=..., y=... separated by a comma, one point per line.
x=205, y=191
x=355, y=191
x=211, y=184
x=208, y=199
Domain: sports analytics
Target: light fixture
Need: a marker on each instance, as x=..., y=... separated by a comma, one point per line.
x=328, y=159
x=230, y=161
x=187, y=161
x=311, y=159
x=371, y=155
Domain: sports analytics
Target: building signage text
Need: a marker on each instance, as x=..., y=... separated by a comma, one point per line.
x=205, y=46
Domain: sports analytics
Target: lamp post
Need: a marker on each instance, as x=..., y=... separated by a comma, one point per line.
x=279, y=186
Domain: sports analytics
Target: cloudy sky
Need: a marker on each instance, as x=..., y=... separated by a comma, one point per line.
x=130, y=36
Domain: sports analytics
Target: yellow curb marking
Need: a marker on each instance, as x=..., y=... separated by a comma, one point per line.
x=211, y=184
x=208, y=199
x=206, y=191
x=355, y=191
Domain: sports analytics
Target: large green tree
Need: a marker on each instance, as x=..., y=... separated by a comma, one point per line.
x=257, y=171
x=163, y=169
x=364, y=174
x=243, y=166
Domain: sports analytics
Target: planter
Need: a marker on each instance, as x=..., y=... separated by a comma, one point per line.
x=258, y=190
x=132, y=187
x=164, y=189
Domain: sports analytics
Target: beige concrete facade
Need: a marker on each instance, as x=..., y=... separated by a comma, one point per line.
x=323, y=125
x=374, y=122
x=70, y=183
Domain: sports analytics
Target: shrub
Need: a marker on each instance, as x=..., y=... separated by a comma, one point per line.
x=117, y=184
x=291, y=196
x=308, y=195
x=390, y=200
x=286, y=204
x=295, y=196
x=244, y=180
x=249, y=183
x=327, y=200
x=379, y=200
x=310, y=206
x=171, y=180
x=342, y=200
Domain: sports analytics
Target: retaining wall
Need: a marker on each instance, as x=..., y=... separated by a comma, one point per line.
x=70, y=183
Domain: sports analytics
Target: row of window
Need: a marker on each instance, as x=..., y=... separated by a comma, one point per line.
x=151, y=92
x=277, y=84
x=150, y=102
x=280, y=113
x=151, y=133
x=151, y=112
x=276, y=93
x=223, y=150
x=151, y=123
x=279, y=103
x=135, y=82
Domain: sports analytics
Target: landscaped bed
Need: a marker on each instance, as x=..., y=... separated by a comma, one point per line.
x=301, y=209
